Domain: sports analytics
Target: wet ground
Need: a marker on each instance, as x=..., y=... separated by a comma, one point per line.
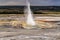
x=8, y=33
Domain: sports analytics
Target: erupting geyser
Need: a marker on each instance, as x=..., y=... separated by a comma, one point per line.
x=30, y=23
x=29, y=16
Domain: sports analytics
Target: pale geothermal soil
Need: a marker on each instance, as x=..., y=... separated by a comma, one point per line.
x=7, y=33
x=31, y=34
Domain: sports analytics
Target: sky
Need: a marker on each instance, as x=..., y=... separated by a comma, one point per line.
x=32, y=2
